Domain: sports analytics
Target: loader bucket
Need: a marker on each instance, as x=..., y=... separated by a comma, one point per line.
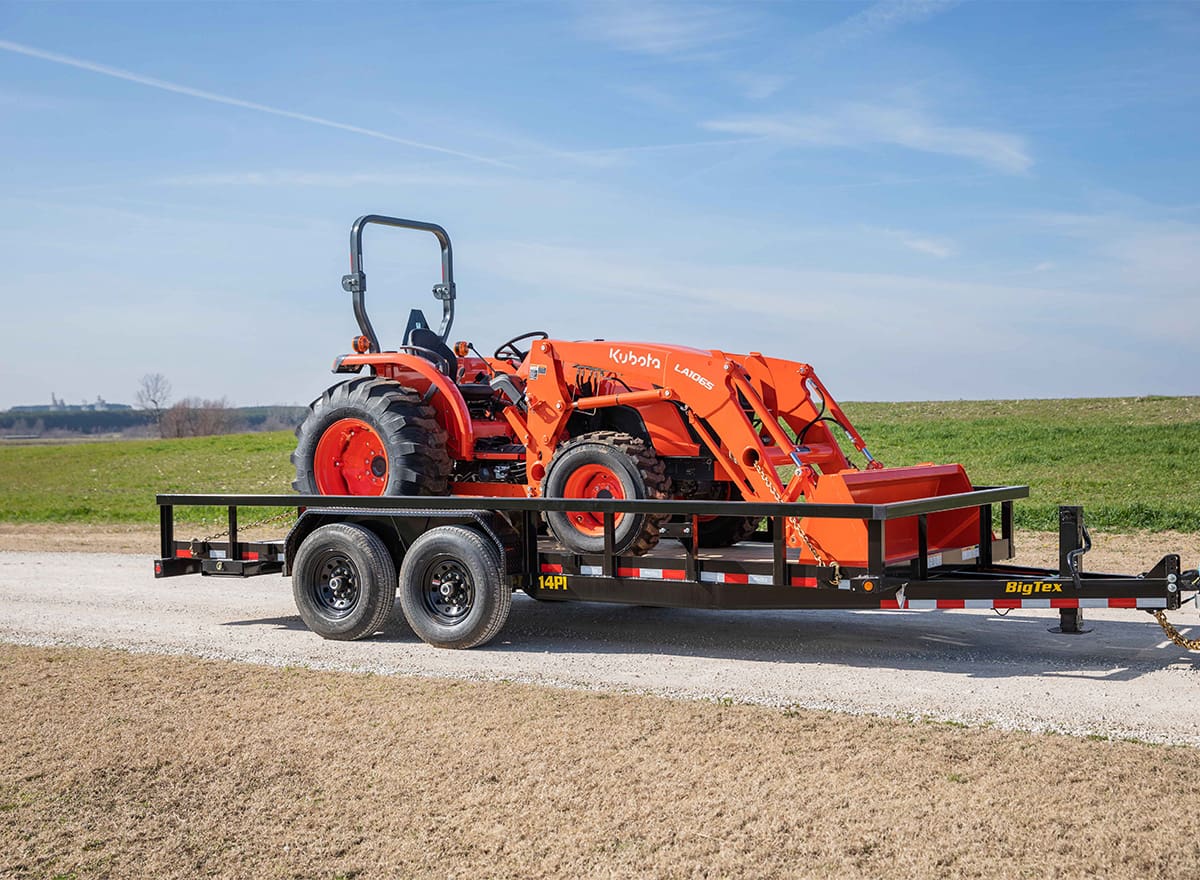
x=845, y=540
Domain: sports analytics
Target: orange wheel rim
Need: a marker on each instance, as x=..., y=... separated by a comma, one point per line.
x=592, y=481
x=350, y=460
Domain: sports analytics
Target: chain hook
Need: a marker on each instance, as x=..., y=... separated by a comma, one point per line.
x=794, y=522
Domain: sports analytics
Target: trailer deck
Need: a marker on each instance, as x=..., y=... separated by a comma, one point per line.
x=757, y=574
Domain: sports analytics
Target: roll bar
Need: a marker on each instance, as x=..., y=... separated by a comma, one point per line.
x=356, y=282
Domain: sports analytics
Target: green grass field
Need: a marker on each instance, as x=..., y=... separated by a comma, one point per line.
x=1134, y=463
x=115, y=481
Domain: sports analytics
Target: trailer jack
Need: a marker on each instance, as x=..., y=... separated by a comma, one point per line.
x=1073, y=542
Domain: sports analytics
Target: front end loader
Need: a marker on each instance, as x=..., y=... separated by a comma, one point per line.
x=599, y=419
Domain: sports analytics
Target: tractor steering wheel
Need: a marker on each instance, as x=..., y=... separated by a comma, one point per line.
x=515, y=353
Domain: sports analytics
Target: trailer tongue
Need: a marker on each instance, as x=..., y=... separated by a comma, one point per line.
x=458, y=560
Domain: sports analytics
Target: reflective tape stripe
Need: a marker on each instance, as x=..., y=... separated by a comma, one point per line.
x=729, y=577
x=1024, y=604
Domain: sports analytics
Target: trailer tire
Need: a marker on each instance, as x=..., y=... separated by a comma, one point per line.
x=605, y=464
x=452, y=588
x=371, y=436
x=344, y=582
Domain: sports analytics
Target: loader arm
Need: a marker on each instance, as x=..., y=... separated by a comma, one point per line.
x=710, y=387
x=754, y=415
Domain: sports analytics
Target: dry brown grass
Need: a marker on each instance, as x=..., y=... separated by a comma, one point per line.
x=116, y=765
x=79, y=538
x=113, y=538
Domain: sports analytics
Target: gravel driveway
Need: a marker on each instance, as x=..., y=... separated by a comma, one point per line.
x=1121, y=680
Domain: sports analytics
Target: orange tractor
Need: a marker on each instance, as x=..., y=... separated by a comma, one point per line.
x=599, y=419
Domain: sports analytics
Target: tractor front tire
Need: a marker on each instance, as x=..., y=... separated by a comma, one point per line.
x=371, y=436
x=603, y=465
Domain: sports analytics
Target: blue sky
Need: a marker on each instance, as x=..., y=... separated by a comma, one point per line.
x=923, y=199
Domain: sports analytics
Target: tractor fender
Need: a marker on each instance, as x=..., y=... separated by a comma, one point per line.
x=443, y=395
x=398, y=528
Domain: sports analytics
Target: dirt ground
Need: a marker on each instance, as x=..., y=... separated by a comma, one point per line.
x=118, y=765
x=1118, y=553
x=85, y=538
x=1127, y=553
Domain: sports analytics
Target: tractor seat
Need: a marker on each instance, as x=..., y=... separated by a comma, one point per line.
x=424, y=338
x=476, y=391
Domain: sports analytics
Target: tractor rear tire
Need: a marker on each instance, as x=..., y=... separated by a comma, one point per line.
x=371, y=436
x=605, y=464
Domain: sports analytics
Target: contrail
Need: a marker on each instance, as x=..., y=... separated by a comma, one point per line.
x=178, y=89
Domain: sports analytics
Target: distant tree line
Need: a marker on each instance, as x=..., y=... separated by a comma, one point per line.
x=156, y=415
x=140, y=423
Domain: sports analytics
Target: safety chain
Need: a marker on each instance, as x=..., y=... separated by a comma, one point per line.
x=794, y=522
x=1173, y=634
x=266, y=520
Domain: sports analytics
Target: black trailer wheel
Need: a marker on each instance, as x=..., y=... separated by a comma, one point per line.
x=371, y=437
x=602, y=465
x=344, y=582
x=452, y=588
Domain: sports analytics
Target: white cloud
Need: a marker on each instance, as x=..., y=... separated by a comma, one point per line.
x=860, y=124
x=931, y=246
x=326, y=179
x=851, y=325
x=880, y=18
x=660, y=28
x=1154, y=256
x=759, y=86
x=935, y=247
x=164, y=85
x=922, y=244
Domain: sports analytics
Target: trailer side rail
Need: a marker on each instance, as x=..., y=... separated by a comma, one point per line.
x=972, y=577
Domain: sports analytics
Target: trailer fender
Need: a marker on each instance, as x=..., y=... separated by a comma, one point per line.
x=399, y=528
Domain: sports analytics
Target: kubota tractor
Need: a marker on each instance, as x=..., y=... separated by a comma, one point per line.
x=599, y=419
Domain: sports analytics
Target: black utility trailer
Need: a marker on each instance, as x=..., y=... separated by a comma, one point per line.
x=458, y=560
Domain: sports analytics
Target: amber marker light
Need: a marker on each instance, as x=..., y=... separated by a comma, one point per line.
x=462, y=349
x=868, y=586
x=361, y=344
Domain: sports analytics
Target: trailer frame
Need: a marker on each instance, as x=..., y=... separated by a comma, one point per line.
x=760, y=574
